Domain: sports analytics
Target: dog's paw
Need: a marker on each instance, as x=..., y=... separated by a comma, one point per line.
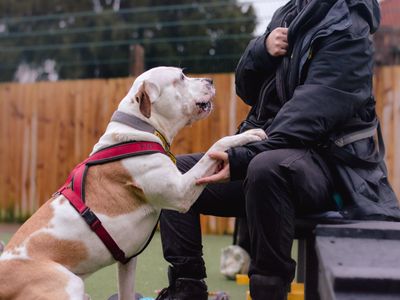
x=250, y=136
x=255, y=134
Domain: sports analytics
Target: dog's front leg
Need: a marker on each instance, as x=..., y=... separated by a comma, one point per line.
x=181, y=191
x=126, y=277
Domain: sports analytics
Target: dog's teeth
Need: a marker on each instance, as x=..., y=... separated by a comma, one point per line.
x=204, y=105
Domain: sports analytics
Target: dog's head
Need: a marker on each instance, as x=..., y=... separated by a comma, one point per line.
x=167, y=93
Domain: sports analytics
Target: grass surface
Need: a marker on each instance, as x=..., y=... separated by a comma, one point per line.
x=151, y=272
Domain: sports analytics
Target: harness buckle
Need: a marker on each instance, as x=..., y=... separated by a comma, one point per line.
x=90, y=218
x=59, y=192
x=56, y=194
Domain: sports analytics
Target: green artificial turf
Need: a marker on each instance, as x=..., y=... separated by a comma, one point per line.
x=151, y=272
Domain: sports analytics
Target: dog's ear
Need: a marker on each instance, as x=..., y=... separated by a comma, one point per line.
x=147, y=93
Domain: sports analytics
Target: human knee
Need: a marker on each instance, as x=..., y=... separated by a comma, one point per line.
x=263, y=168
x=182, y=162
x=265, y=181
x=186, y=161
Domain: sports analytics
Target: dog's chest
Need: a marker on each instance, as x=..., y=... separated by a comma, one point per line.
x=111, y=190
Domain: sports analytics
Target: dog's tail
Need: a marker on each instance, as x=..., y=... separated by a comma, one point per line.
x=1, y=247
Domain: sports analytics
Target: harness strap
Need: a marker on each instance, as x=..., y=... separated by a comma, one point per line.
x=110, y=154
x=73, y=187
x=95, y=225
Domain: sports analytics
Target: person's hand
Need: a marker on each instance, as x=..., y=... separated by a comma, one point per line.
x=222, y=174
x=276, y=42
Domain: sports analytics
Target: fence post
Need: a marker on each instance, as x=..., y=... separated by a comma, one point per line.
x=137, y=60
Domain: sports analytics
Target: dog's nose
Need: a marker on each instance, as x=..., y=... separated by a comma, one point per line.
x=209, y=80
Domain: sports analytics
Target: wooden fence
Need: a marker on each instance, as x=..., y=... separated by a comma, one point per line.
x=387, y=91
x=46, y=128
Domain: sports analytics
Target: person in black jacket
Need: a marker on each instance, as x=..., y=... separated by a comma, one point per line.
x=308, y=80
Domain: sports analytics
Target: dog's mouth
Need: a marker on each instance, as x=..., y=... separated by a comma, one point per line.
x=205, y=106
x=204, y=103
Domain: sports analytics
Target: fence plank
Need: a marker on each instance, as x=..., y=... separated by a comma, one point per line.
x=387, y=92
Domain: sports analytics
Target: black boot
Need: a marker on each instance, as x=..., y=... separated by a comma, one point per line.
x=267, y=288
x=183, y=289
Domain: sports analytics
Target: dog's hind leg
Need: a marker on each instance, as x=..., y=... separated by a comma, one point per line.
x=46, y=280
x=64, y=283
x=75, y=287
x=126, y=278
x=87, y=297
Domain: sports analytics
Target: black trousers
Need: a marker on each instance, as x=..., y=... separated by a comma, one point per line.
x=280, y=185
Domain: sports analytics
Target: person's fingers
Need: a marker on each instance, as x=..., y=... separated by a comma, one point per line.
x=218, y=155
x=281, y=52
x=281, y=32
x=284, y=38
x=282, y=35
x=276, y=53
x=222, y=173
x=279, y=47
x=284, y=45
x=277, y=43
x=213, y=178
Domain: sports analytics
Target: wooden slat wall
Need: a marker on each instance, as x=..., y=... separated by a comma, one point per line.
x=387, y=92
x=47, y=128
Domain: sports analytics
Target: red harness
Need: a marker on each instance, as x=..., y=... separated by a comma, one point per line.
x=73, y=188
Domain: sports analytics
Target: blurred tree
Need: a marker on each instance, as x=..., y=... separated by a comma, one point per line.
x=91, y=38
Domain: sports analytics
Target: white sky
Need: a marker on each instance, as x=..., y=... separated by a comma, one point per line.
x=264, y=10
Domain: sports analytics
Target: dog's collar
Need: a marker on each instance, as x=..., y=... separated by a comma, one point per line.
x=135, y=122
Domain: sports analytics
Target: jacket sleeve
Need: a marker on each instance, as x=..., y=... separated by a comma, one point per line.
x=255, y=65
x=338, y=83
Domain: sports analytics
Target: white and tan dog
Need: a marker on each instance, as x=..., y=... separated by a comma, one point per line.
x=53, y=252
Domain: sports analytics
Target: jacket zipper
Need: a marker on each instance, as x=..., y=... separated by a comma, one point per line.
x=265, y=88
x=308, y=50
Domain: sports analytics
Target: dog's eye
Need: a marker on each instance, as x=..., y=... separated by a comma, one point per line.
x=182, y=76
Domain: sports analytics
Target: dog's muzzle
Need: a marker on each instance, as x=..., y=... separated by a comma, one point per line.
x=205, y=106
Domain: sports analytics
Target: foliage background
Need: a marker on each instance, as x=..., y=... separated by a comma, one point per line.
x=91, y=38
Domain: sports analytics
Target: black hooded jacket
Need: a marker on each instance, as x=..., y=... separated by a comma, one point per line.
x=319, y=95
